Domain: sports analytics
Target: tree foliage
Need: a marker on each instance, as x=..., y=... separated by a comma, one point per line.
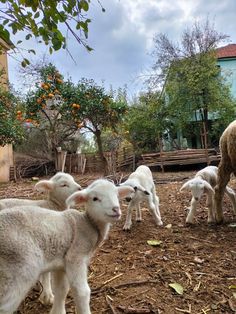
x=63, y=109
x=42, y=19
x=192, y=85
x=146, y=121
x=11, y=129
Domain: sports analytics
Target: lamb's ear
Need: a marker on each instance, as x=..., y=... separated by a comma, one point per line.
x=140, y=188
x=125, y=191
x=77, y=198
x=208, y=187
x=186, y=185
x=44, y=186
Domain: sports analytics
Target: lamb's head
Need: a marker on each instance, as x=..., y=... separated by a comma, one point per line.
x=101, y=199
x=197, y=186
x=136, y=186
x=59, y=187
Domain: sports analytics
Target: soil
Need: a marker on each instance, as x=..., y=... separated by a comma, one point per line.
x=127, y=275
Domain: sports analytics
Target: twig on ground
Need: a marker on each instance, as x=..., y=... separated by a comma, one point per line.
x=131, y=310
x=110, y=305
x=125, y=284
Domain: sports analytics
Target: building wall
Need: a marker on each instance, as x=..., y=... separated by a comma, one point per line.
x=6, y=152
x=228, y=70
x=6, y=161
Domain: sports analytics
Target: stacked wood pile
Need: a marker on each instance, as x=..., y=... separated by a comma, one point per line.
x=180, y=157
x=29, y=166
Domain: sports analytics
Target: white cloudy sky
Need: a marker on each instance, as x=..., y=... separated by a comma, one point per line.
x=122, y=38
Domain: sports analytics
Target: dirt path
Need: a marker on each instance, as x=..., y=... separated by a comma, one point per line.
x=129, y=276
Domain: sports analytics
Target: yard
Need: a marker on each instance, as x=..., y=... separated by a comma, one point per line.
x=127, y=275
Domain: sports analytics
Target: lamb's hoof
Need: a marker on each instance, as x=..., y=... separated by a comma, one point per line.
x=159, y=223
x=139, y=219
x=189, y=223
x=62, y=311
x=126, y=228
x=46, y=299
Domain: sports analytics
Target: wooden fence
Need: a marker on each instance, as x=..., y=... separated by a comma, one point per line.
x=125, y=159
x=89, y=163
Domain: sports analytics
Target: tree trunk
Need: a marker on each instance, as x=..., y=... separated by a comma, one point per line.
x=100, y=152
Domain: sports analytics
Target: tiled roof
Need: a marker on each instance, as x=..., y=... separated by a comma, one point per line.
x=228, y=51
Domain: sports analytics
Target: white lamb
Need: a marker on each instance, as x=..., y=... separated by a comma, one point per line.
x=37, y=240
x=142, y=182
x=204, y=182
x=59, y=188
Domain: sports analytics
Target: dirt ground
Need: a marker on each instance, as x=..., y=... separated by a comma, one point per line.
x=127, y=275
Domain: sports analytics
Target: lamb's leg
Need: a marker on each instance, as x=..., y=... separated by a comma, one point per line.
x=46, y=296
x=223, y=178
x=210, y=206
x=60, y=287
x=154, y=208
x=77, y=275
x=14, y=286
x=232, y=196
x=138, y=213
x=128, y=220
x=192, y=211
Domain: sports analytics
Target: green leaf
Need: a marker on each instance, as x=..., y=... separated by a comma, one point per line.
x=232, y=287
x=28, y=36
x=154, y=242
x=177, y=287
x=32, y=51
x=25, y=62
x=37, y=14
x=4, y=34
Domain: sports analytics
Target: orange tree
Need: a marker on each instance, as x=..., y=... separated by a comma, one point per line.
x=11, y=128
x=63, y=109
x=96, y=112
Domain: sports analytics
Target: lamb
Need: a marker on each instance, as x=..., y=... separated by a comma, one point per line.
x=59, y=188
x=37, y=240
x=142, y=182
x=227, y=166
x=204, y=182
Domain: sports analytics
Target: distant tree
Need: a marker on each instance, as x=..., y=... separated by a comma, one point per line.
x=98, y=112
x=42, y=20
x=191, y=81
x=148, y=119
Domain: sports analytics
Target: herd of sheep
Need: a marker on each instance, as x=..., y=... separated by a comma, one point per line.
x=48, y=241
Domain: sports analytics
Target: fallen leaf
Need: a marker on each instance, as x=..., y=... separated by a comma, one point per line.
x=154, y=242
x=232, y=287
x=177, y=287
x=198, y=260
x=169, y=226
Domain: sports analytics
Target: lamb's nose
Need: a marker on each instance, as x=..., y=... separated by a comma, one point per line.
x=116, y=210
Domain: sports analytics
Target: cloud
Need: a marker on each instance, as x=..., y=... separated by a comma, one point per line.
x=122, y=37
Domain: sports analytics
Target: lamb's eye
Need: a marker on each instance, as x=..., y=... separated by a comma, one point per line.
x=95, y=199
x=64, y=185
